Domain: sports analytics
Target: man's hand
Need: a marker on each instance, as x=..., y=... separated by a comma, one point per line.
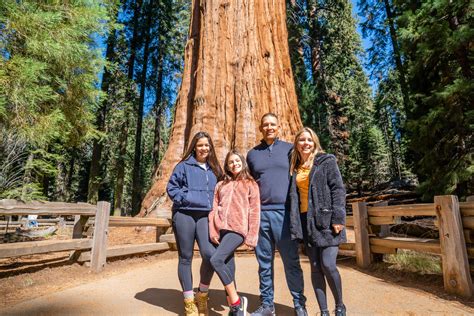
x=215, y=240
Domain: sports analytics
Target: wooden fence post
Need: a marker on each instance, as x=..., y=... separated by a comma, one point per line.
x=80, y=222
x=380, y=231
x=99, y=241
x=456, y=274
x=361, y=234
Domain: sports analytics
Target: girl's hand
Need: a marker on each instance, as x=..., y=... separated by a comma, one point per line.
x=215, y=240
x=337, y=228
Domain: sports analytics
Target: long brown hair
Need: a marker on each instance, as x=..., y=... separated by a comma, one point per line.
x=295, y=155
x=244, y=174
x=211, y=158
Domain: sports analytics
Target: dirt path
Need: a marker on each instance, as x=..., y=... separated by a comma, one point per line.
x=152, y=288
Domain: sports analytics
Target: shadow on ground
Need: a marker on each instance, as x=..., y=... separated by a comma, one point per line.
x=172, y=301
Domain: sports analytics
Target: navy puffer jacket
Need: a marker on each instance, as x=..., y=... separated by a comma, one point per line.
x=191, y=187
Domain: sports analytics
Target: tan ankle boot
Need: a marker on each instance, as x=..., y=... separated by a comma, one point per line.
x=201, y=302
x=190, y=308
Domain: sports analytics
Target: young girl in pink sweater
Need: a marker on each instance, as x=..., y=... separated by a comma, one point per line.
x=233, y=221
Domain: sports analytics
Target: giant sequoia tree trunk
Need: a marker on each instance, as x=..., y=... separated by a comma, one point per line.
x=237, y=67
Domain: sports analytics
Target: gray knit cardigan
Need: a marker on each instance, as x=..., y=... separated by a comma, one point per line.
x=326, y=204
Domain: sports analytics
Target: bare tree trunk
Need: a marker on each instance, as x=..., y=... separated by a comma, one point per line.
x=397, y=56
x=122, y=152
x=137, y=183
x=158, y=108
x=96, y=170
x=123, y=138
x=237, y=67
x=27, y=176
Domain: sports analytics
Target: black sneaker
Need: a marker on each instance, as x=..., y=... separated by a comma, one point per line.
x=340, y=310
x=241, y=309
x=324, y=313
x=264, y=310
x=301, y=311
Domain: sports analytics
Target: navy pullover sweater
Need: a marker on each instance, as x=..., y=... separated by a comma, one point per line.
x=269, y=166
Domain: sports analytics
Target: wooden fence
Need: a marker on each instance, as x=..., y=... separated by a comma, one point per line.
x=370, y=222
x=455, y=221
x=85, y=249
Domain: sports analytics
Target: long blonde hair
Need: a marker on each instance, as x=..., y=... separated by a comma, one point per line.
x=296, y=160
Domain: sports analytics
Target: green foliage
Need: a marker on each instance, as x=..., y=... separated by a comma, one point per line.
x=333, y=91
x=437, y=38
x=374, y=27
x=390, y=117
x=49, y=65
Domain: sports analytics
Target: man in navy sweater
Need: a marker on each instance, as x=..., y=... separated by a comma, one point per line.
x=269, y=165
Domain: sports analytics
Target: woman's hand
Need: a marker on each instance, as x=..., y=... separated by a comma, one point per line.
x=215, y=240
x=337, y=228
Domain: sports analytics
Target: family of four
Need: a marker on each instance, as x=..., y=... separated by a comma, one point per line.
x=280, y=195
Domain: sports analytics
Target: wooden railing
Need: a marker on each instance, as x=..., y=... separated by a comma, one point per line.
x=455, y=221
x=93, y=250
x=370, y=222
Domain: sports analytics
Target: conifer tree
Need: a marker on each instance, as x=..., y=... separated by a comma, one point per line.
x=336, y=100
x=437, y=40
x=49, y=64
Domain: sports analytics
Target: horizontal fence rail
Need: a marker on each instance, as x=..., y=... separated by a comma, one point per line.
x=455, y=222
x=89, y=220
x=454, y=219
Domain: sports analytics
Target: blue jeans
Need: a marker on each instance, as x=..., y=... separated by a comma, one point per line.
x=275, y=232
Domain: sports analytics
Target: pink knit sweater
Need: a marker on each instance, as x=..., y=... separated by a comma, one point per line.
x=236, y=208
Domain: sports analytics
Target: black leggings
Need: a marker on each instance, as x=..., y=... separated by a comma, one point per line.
x=222, y=260
x=323, y=267
x=187, y=227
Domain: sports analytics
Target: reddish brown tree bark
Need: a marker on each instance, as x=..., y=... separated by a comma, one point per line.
x=237, y=67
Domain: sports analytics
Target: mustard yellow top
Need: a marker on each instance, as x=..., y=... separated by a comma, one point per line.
x=302, y=182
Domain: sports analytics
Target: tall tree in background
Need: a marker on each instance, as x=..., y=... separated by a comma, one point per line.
x=170, y=39
x=389, y=117
x=437, y=39
x=388, y=70
x=334, y=95
x=237, y=67
x=161, y=35
x=136, y=178
x=49, y=66
x=379, y=26
x=96, y=175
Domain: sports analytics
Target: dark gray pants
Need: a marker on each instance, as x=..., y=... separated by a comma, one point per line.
x=323, y=267
x=222, y=260
x=189, y=226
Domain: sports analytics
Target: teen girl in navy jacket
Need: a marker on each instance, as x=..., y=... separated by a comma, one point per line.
x=191, y=188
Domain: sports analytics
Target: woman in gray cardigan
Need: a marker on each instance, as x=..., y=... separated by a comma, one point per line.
x=317, y=214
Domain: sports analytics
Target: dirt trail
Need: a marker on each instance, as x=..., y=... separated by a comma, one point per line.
x=153, y=289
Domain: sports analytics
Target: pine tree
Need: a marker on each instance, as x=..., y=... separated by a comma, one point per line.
x=336, y=99
x=436, y=38
x=49, y=66
x=97, y=172
x=389, y=116
x=385, y=56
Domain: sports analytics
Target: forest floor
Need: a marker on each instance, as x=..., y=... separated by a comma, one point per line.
x=50, y=285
